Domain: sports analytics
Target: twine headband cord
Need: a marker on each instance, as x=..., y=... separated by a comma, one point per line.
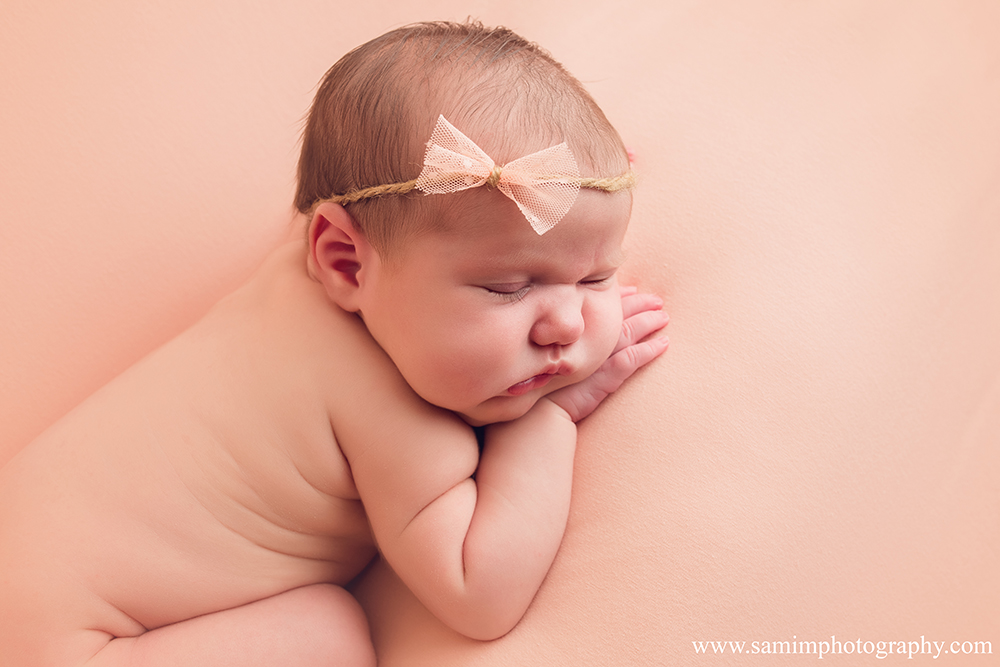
x=544, y=185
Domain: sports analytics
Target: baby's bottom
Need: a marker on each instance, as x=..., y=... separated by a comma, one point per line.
x=313, y=626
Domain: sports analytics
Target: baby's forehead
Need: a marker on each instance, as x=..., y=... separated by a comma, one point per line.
x=493, y=234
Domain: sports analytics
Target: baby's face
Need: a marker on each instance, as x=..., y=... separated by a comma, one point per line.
x=486, y=318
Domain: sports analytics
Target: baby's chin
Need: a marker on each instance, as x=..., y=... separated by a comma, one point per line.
x=482, y=416
x=504, y=409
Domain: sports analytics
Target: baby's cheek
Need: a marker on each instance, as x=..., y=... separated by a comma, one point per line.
x=480, y=355
x=605, y=328
x=611, y=323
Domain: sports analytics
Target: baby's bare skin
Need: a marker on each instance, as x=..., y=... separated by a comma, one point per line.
x=143, y=508
x=205, y=506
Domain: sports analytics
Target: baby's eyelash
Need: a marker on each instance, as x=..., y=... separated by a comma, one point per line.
x=597, y=282
x=508, y=295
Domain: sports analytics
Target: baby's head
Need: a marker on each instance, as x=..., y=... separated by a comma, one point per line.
x=481, y=313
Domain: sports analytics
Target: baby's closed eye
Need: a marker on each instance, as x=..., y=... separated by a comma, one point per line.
x=509, y=292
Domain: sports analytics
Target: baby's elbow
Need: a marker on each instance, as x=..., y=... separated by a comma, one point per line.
x=496, y=628
x=486, y=623
x=486, y=631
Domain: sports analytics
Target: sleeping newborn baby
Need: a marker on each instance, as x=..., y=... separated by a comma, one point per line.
x=405, y=381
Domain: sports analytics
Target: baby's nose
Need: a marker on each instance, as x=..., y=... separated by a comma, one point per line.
x=559, y=323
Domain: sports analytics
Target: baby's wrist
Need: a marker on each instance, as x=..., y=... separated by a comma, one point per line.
x=546, y=404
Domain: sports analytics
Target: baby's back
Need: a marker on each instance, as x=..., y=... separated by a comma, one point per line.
x=205, y=477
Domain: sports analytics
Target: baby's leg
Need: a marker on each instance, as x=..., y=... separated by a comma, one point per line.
x=313, y=626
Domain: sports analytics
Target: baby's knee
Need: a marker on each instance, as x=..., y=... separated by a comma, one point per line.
x=333, y=624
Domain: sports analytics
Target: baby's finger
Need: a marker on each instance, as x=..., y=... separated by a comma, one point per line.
x=627, y=290
x=633, y=304
x=621, y=365
x=639, y=326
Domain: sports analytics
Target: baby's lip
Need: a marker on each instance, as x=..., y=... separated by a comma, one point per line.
x=540, y=380
x=558, y=368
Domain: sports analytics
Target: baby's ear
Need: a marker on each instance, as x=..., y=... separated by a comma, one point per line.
x=336, y=251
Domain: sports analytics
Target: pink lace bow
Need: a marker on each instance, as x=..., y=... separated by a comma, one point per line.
x=544, y=185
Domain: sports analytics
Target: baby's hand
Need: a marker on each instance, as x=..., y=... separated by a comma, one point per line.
x=642, y=316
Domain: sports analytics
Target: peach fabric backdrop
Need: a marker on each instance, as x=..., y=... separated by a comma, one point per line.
x=816, y=455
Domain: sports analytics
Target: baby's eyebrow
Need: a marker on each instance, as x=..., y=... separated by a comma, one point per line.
x=528, y=261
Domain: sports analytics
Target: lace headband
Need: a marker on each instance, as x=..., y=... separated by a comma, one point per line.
x=544, y=185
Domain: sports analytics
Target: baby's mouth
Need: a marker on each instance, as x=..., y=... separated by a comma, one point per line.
x=539, y=380
x=525, y=386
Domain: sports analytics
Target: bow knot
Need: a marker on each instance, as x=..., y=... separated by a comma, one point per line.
x=544, y=185
x=494, y=179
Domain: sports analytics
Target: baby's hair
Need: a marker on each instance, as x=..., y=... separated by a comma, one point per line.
x=376, y=106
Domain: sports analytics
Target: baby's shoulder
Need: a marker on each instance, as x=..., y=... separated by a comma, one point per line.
x=290, y=318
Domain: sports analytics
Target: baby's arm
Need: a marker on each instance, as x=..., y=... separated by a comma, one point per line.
x=474, y=537
x=489, y=541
